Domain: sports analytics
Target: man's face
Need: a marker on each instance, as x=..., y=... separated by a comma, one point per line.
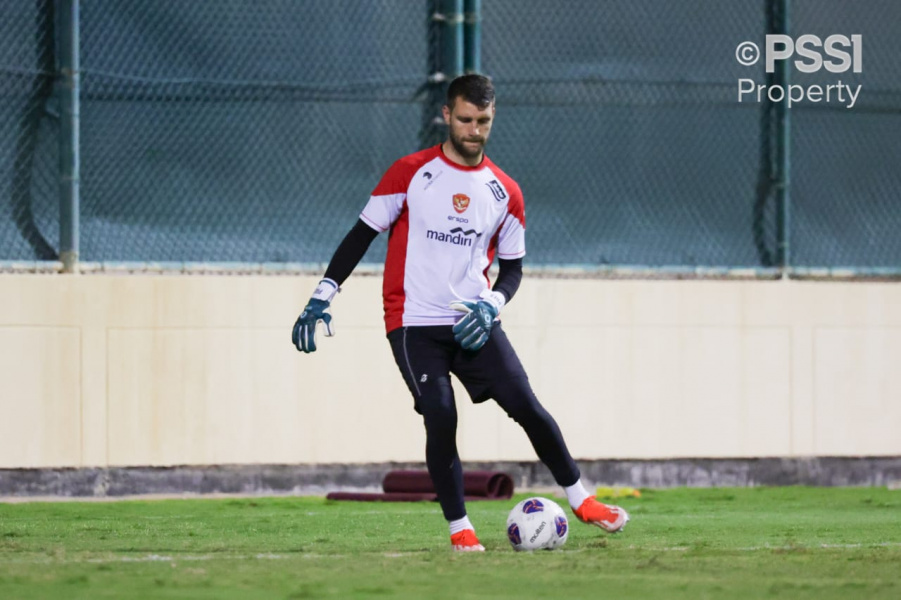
x=468, y=127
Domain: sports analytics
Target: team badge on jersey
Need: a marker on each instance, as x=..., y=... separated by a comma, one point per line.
x=461, y=202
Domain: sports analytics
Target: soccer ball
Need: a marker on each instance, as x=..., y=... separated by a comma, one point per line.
x=537, y=524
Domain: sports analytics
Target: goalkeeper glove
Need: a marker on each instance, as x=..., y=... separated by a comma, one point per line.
x=472, y=331
x=304, y=334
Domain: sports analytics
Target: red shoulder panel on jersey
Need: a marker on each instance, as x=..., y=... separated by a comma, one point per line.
x=397, y=178
x=393, y=281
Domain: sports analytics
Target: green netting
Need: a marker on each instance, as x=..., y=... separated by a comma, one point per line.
x=254, y=131
x=29, y=168
x=241, y=131
x=846, y=188
x=622, y=125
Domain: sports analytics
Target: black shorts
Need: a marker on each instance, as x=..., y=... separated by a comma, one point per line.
x=426, y=355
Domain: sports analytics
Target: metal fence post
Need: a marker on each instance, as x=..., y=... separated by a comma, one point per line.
x=782, y=179
x=472, y=36
x=445, y=62
x=452, y=40
x=69, y=84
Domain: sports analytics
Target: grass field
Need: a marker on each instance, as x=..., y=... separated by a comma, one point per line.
x=682, y=543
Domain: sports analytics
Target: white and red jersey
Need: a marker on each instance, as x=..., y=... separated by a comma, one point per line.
x=447, y=222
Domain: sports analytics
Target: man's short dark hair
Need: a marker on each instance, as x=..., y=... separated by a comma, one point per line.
x=473, y=88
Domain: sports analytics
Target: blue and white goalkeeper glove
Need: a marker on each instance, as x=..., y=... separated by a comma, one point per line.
x=304, y=333
x=472, y=331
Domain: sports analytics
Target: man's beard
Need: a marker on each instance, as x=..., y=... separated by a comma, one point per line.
x=462, y=150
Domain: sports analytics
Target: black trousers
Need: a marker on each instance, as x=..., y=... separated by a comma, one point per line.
x=426, y=357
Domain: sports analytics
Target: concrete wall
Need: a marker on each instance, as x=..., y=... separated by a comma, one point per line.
x=116, y=370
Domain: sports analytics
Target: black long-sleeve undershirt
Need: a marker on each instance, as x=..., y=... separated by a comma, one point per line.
x=509, y=276
x=357, y=241
x=350, y=252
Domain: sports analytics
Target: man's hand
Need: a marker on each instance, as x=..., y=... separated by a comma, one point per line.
x=304, y=334
x=472, y=331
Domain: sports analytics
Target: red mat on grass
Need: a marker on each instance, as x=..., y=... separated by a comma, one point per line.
x=416, y=486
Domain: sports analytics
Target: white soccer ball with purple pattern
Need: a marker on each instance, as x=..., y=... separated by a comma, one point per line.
x=537, y=524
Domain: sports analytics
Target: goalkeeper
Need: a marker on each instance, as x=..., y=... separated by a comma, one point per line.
x=450, y=211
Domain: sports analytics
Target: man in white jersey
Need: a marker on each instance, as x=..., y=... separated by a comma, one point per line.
x=450, y=211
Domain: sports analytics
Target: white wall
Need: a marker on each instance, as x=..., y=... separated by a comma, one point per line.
x=115, y=370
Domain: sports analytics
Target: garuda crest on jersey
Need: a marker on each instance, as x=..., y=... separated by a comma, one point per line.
x=461, y=202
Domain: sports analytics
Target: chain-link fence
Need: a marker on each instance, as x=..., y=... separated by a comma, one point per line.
x=846, y=187
x=240, y=131
x=622, y=125
x=28, y=132
x=254, y=131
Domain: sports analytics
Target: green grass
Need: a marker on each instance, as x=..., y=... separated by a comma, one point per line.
x=684, y=543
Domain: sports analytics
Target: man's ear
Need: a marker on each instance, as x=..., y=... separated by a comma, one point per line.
x=446, y=112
